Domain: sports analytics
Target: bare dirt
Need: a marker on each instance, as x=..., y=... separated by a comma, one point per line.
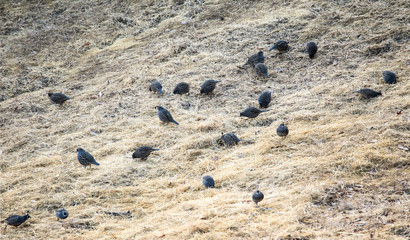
x=342, y=173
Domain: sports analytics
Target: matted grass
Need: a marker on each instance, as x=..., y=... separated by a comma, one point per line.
x=342, y=173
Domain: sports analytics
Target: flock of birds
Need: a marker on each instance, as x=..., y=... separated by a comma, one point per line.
x=256, y=61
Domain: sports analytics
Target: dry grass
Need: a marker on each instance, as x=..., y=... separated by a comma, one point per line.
x=342, y=173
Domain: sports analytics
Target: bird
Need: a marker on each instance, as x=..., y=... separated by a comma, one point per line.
x=165, y=116
x=368, y=93
x=251, y=112
x=143, y=152
x=282, y=130
x=58, y=98
x=261, y=69
x=156, y=87
x=208, y=181
x=208, y=86
x=264, y=99
x=257, y=197
x=16, y=220
x=281, y=46
x=311, y=48
x=61, y=214
x=85, y=158
x=255, y=59
x=389, y=77
x=230, y=139
x=181, y=88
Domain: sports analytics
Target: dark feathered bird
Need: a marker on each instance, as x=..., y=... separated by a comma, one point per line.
x=368, y=93
x=261, y=69
x=208, y=181
x=58, y=98
x=281, y=46
x=282, y=130
x=156, y=87
x=230, y=139
x=255, y=59
x=264, y=99
x=143, y=152
x=165, y=116
x=208, y=86
x=61, y=214
x=16, y=220
x=251, y=112
x=257, y=196
x=311, y=48
x=85, y=158
x=181, y=88
x=389, y=77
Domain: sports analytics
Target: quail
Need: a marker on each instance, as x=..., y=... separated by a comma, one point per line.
x=230, y=139
x=261, y=69
x=255, y=59
x=16, y=220
x=85, y=158
x=156, y=87
x=281, y=46
x=208, y=86
x=368, y=93
x=143, y=152
x=58, y=98
x=61, y=214
x=208, y=181
x=311, y=48
x=165, y=116
x=257, y=196
x=251, y=112
x=181, y=88
x=282, y=130
x=264, y=99
x=389, y=77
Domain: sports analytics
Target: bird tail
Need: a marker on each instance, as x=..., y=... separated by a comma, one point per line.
x=264, y=110
x=218, y=81
x=155, y=149
x=274, y=46
x=266, y=75
x=356, y=92
x=175, y=122
x=96, y=163
x=241, y=140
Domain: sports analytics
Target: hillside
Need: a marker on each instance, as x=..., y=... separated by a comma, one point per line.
x=343, y=172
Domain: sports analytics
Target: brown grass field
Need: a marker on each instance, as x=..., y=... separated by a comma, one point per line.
x=342, y=173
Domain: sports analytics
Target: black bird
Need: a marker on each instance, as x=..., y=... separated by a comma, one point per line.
x=181, y=88
x=58, y=98
x=143, y=152
x=251, y=112
x=165, y=116
x=311, y=48
x=61, y=214
x=208, y=86
x=282, y=130
x=85, y=158
x=255, y=59
x=230, y=139
x=208, y=181
x=261, y=69
x=264, y=99
x=16, y=220
x=368, y=93
x=389, y=77
x=156, y=87
x=257, y=196
x=281, y=46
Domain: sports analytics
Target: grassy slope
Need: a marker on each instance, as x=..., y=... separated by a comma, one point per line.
x=339, y=174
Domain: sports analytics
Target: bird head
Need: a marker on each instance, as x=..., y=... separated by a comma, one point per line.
x=159, y=107
x=260, y=53
x=79, y=149
x=49, y=94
